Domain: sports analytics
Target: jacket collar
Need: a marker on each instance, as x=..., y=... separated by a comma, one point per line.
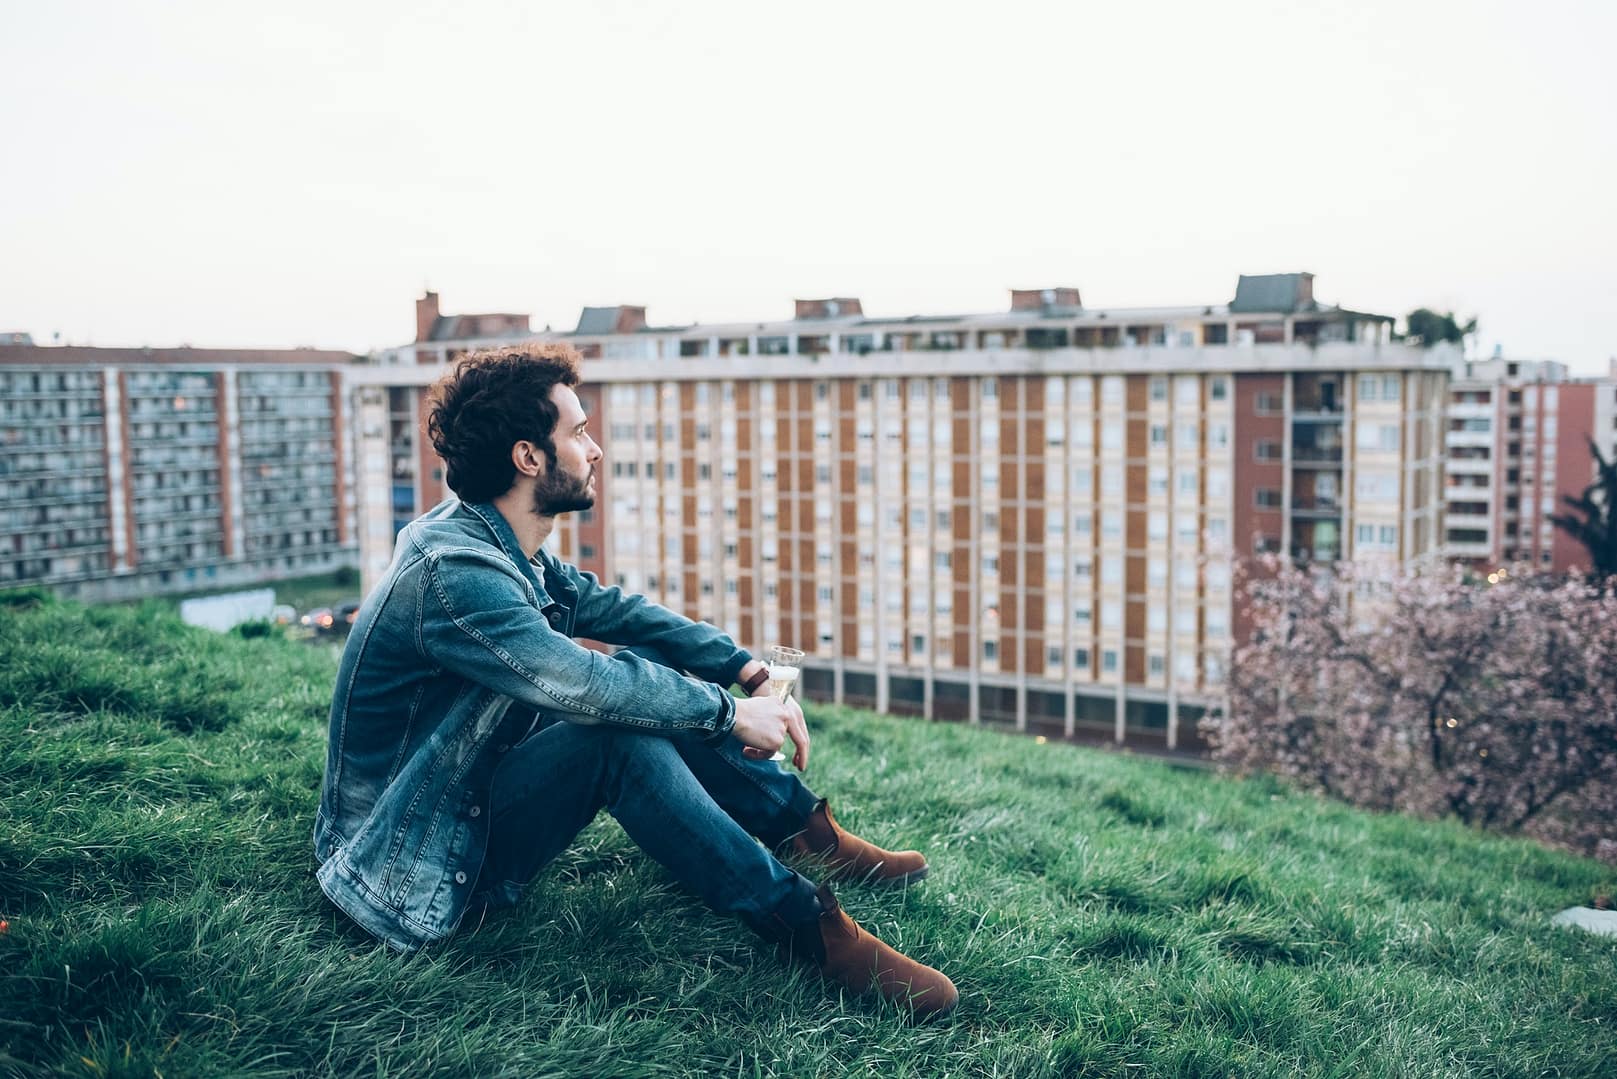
x=506, y=537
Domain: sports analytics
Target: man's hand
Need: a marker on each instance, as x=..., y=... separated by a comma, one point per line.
x=763, y=724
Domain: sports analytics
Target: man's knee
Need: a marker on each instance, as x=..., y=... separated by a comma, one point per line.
x=632, y=745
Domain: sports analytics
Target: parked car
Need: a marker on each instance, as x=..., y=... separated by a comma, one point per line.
x=320, y=619
x=284, y=614
x=346, y=613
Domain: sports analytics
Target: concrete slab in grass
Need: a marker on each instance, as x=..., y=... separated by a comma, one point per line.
x=1603, y=922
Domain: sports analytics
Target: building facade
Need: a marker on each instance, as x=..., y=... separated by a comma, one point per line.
x=1518, y=442
x=1033, y=518
x=128, y=472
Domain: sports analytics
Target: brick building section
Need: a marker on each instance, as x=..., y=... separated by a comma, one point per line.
x=222, y=390
x=339, y=443
x=1250, y=521
x=846, y=477
x=750, y=595
x=126, y=489
x=964, y=522
x=1012, y=536
x=1136, y=492
x=429, y=466
x=1574, y=467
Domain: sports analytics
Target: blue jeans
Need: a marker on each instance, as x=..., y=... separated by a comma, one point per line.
x=692, y=807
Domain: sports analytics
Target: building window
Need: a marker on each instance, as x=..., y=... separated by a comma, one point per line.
x=1266, y=498
x=1159, y=389
x=1267, y=404
x=1080, y=658
x=991, y=650
x=1267, y=449
x=1108, y=661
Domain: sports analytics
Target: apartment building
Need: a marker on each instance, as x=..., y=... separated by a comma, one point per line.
x=1031, y=518
x=128, y=472
x=1518, y=441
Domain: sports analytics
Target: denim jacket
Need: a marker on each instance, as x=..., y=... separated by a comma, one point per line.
x=461, y=627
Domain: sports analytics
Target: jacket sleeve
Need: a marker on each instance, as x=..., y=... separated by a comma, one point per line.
x=614, y=616
x=476, y=621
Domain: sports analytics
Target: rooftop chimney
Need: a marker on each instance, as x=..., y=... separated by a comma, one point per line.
x=1040, y=299
x=426, y=315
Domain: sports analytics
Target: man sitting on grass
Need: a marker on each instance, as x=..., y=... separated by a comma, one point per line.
x=472, y=738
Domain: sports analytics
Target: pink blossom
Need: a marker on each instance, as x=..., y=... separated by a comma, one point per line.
x=1494, y=703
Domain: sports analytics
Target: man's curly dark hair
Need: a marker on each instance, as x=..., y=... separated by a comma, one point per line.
x=488, y=402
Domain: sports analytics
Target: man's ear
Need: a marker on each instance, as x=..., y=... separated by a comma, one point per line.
x=527, y=459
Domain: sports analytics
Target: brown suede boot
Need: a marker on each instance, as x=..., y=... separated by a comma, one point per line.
x=851, y=957
x=847, y=857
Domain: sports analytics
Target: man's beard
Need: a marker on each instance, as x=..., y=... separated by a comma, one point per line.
x=556, y=492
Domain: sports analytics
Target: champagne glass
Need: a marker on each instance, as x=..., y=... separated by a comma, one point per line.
x=785, y=665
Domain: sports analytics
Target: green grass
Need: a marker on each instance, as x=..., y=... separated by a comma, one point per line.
x=1102, y=915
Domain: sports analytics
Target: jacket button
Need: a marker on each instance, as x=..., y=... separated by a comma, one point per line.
x=460, y=877
x=476, y=811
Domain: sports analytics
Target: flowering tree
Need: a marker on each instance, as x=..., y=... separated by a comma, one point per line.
x=1433, y=694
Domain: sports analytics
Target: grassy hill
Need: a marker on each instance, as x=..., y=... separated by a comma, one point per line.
x=1102, y=915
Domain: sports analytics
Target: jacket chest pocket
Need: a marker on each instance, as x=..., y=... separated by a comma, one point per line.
x=560, y=619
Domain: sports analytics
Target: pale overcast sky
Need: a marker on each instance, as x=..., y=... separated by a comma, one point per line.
x=273, y=175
